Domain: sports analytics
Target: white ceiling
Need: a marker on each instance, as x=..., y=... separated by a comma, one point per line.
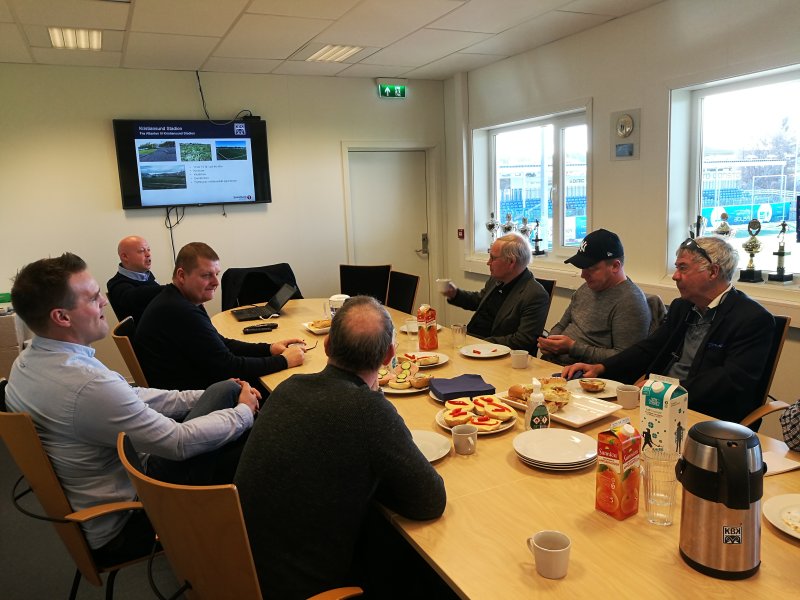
x=417, y=39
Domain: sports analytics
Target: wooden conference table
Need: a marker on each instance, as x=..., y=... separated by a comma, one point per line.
x=494, y=501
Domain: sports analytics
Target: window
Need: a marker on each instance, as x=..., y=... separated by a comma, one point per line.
x=534, y=172
x=747, y=164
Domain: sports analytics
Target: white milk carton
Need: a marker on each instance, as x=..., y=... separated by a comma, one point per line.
x=664, y=413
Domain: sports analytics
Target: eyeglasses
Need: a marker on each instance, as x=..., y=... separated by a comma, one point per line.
x=691, y=245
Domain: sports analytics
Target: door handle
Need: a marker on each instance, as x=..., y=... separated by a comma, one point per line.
x=424, y=249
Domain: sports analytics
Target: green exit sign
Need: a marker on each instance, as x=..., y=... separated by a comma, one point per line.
x=391, y=91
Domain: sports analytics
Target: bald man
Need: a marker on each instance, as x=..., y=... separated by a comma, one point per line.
x=134, y=286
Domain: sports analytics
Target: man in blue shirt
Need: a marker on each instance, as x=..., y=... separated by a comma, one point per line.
x=79, y=406
x=134, y=285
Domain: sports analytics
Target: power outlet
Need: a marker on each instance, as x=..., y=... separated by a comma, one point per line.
x=461, y=234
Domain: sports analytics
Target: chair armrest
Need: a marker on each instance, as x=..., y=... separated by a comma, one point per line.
x=101, y=510
x=763, y=410
x=338, y=594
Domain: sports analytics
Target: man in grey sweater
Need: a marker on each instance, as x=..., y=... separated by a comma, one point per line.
x=606, y=314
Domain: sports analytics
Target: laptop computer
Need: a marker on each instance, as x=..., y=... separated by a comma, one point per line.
x=272, y=307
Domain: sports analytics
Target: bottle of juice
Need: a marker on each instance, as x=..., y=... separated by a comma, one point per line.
x=428, y=334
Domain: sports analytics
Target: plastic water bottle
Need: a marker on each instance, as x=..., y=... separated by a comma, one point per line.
x=537, y=416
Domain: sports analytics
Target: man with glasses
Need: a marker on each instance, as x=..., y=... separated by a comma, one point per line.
x=715, y=339
x=606, y=314
x=512, y=307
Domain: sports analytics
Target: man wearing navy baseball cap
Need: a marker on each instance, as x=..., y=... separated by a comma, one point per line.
x=606, y=314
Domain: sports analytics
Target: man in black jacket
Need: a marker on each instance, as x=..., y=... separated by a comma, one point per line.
x=134, y=286
x=715, y=339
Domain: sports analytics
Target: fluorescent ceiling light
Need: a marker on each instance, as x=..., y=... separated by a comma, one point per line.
x=75, y=39
x=334, y=53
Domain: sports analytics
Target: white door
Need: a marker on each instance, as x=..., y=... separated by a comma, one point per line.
x=389, y=211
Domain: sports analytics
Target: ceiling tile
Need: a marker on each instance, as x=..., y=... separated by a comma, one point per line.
x=78, y=58
x=163, y=51
x=301, y=67
x=547, y=28
x=264, y=36
x=314, y=9
x=425, y=46
x=484, y=16
x=5, y=14
x=240, y=65
x=208, y=17
x=12, y=45
x=72, y=13
x=379, y=22
x=455, y=63
x=364, y=70
x=614, y=8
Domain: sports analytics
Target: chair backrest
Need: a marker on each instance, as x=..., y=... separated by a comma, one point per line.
x=19, y=434
x=122, y=335
x=657, y=310
x=402, y=291
x=241, y=286
x=549, y=286
x=367, y=280
x=773, y=356
x=202, y=531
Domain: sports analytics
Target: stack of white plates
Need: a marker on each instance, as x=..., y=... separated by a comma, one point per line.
x=556, y=449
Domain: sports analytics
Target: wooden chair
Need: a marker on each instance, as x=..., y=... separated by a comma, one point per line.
x=768, y=403
x=367, y=280
x=19, y=435
x=122, y=335
x=203, y=534
x=402, y=291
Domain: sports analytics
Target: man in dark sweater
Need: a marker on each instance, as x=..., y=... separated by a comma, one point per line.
x=134, y=286
x=715, y=339
x=178, y=346
x=325, y=448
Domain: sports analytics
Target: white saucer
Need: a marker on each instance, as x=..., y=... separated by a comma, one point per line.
x=432, y=445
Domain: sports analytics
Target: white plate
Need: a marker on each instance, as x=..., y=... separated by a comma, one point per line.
x=443, y=358
x=775, y=507
x=579, y=411
x=610, y=391
x=412, y=390
x=550, y=467
x=555, y=446
x=316, y=330
x=503, y=426
x=432, y=445
x=404, y=330
x=484, y=350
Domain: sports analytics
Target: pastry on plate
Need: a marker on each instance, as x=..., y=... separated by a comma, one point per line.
x=485, y=423
x=321, y=324
x=420, y=381
x=555, y=392
x=463, y=403
x=592, y=385
x=500, y=410
x=457, y=416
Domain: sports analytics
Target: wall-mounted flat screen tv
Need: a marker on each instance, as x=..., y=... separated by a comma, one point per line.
x=192, y=163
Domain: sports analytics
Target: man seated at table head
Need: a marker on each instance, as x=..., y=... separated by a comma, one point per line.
x=134, y=285
x=79, y=406
x=512, y=307
x=715, y=339
x=178, y=346
x=327, y=446
x=606, y=314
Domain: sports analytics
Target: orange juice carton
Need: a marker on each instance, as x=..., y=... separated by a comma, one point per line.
x=617, y=478
x=664, y=413
x=428, y=334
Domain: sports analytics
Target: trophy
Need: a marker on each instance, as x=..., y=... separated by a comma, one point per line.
x=723, y=230
x=696, y=230
x=536, y=240
x=525, y=230
x=493, y=225
x=780, y=275
x=752, y=247
x=509, y=225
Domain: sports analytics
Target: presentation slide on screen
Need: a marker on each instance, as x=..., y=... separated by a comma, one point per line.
x=181, y=166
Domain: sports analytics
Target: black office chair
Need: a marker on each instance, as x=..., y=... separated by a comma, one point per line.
x=549, y=286
x=402, y=291
x=366, y=280
x=242, y=286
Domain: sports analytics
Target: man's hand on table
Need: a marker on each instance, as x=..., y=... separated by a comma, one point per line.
x=588, y=370
x=291, y=350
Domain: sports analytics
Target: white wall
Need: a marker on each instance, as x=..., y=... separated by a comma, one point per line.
x=59, y=188
x=628, y=63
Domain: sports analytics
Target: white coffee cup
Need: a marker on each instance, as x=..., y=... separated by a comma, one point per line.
x=519, y=359
x=628, y=396
x=465, y=438
x=336, y=301
x=551, y=553
x=443, y=284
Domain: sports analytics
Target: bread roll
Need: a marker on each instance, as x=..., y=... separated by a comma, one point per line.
x=423, y=361
x=420, y=381
x=499, y=410
x=592, y=385
x=485, y=423
x=462, y=403
x=399, y=384
x=384, y=375
x=457, y=416
x=520, y=392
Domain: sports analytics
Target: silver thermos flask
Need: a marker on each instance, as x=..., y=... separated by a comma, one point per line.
x=722, y=474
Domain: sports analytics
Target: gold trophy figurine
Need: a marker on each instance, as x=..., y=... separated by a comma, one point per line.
x=723, y=230
x=780, y=275
x=525, y=230
x=509, y=225
x=752, y=247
